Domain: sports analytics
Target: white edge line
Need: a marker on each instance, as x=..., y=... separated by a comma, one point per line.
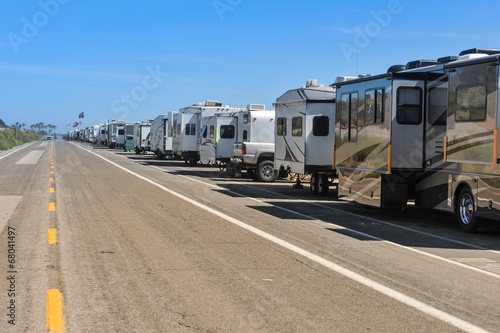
x=436, y=313
x=475, y=269
x=12, y=152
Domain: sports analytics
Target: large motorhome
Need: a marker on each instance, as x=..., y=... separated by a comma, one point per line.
x=187, y=123
x=426, y=132
x=305, y=122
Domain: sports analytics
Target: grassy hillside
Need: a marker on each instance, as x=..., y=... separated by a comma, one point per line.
x=10, y=138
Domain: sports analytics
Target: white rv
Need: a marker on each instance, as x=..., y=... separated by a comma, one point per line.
x=305, y=122
x=254, y=145
x=187, y=123
x=142, y=132
x=103, y=134
x=161, y=137
x=115, y=134
x=427, y=132
x=95, y=133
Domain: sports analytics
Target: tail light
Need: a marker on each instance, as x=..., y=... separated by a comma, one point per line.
x=243, y=149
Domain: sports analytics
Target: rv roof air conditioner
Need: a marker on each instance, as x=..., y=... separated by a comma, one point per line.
x=312, y=84
x=481, y=51
x=344, y=78
x=396, y=68
x=420, y=63
x=256, y=107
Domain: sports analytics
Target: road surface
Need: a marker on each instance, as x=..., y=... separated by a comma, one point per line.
x=99, y=240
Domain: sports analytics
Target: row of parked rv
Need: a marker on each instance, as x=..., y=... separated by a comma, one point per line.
x=425, y=132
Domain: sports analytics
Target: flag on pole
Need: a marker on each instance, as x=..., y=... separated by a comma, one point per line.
x=81, y=115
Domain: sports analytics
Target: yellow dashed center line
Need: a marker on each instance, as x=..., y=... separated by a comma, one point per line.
x=51, y=190
x=55, y=315
x=52, y=206
x=52, y=236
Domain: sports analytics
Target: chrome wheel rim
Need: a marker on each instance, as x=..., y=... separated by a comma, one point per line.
x=466, y=208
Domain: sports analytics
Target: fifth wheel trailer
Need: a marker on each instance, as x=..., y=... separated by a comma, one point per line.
x=305, y=122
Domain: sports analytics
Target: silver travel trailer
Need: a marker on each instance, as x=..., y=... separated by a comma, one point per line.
x=435, y=141
x=142, y=132
x=115, y=134
x=95, y=134
x=219, y=133
x=254, y=150
x=161, y=138
x=304, y=136
x=187, y=123
x=103, y=128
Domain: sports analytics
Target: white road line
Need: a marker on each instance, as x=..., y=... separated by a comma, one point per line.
x=367, y=218
x=449, y=261
x=32, y=157
x=425, y=308
x=12, y=152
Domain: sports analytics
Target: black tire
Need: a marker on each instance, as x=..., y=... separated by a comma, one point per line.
x=137, y=151
x=466, y=211
x=231, y=169
x=314, y=183
x=252, y=174
x=323, y=184
x=265, y=172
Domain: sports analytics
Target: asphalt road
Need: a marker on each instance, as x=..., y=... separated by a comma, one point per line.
x=141, y=245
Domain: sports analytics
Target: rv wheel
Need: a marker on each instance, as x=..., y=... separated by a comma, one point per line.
x=314, y=183
x=323, y=184
x=266, y=172
x=466, y=211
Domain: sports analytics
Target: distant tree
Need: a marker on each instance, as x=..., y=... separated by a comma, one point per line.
x=2, y=123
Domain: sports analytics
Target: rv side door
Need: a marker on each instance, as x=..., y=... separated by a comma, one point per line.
x=407, y=134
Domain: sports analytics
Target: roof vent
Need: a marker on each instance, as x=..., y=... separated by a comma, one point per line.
x=420, y=63
x=483, y=51
x=396, y=68
x=447, y=59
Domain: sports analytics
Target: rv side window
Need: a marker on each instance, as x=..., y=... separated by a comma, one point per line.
x=246, y=118
x=190, y=129
x=321, y=126
x=121, y=132
x=409, y=110
x=471, y=102
x=374, y=106
x=297, y=126
x=245, y=135
x=349, y=117
x=212, y=131
x=227, y=132
x=438, y=105
x=281, y=126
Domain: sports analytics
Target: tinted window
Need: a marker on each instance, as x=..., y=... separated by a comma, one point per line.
x=227, y=132
x=190, y=129
x=297, y=126
x=438, y=105
x=409, y=110
x=121, y=132
x=321, y=126
x=281, y=126
x=471, y=103
x=374, y=106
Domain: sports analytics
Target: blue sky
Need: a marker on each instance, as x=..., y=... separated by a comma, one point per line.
x=136, y=60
